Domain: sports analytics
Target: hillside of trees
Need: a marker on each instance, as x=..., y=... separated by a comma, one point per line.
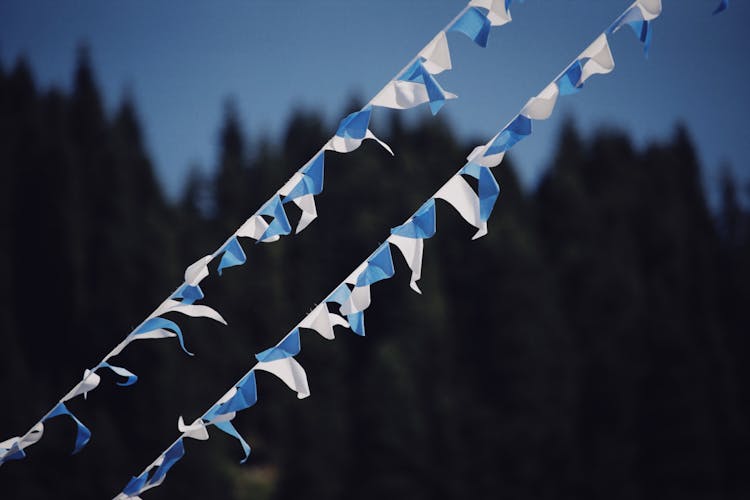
x=594, y=345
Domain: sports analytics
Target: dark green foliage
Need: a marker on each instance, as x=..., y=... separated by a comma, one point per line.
x=593, y=345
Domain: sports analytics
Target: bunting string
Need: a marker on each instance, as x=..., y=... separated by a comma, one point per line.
x=346, y=304
x=415, y=84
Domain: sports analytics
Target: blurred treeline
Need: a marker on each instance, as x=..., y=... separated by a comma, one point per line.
x=593, y=345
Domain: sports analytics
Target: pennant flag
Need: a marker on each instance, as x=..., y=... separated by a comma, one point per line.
x=474, y=24
x=341, y=296
x=227, y=427
x=159, y=328
x=638, y=17
x=513, y=133
x=254, y=228
x=12, y=449
x=436, y=56
x=197, y=430
x=487, y=187
x=541, y=106
x=82, y=433
x=135, y=485
x=233, y=255
x=280, y=224
x=419, y=225
x=570, y=81
x=245, y=395
x=352, y=131
x=379, y=267
x=311, y=181
x=596, y=59
x=89, y=382
x=724, y=5
x=192, y=310
x=412, y=250
x=322, y=321
x=188, y=293
x=288, y=347
x=197, y=271
x=462, y=197
x=166, y=461
x=290, y=372
x=498, y=10
x=131, y=377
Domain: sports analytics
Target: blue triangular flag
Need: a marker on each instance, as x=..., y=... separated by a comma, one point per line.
x=287, y=348
x=161, y=323
x=280, y=223
x=82, y=433
x=188, y=293
x=227, y=427
x=474, y=24
x=379, y=266
x=355, y=124
x=421, y=225
x=517, y=130
x=171, y=456
x=233, y=255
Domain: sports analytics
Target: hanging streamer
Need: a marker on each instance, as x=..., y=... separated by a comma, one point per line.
x=412, y=86
x=353, y=294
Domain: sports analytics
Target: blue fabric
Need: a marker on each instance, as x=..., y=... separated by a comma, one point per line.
x=422, y=223
x=132, y=377
x=488, y=193
x=357, y=322
x=188, y=293
x=724, y=5
x=634, y=18
x=340, y=295
x=355, y=125
x=517, y=130
x=229, y=429
x=135, y=485
x=280, y=223
x=16, y=453
x=418, y=74
x=379, y=266
x=233, y=255
x=172, y=455
x=288, y=347
x=82, y=433
x=312, y=180
x=157, y=323
x=247, y=395
x=474, y=24
x=570, y=82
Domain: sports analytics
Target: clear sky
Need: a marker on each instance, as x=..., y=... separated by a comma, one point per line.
x=182, y=59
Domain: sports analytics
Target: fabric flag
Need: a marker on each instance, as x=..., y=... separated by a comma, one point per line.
x=279, y=226
x=498, y=11
x=409, y=239
x=462, y=197
x=356, y=320
x=302, y=188
x=513, y=133
x=197, y=430
x=188, y=293
x=413, y=87
x=166, y=461
x=192, y=310
x=82, y=433
x=255, y=227
x=197, y=271
x=474, y=24
x=89, y=382
x=596, y=59
x=322, y=321
x=541, y=106
x=233, y=255
x=436, y=56
x=288, y=347
x=379, y=266
x=639, y=17
x=157, y=327
x=227, y=427
x=352, y=131
x=290, y=372
x=131, y=377
x=240, y=397
x=487, y=187
x=12, y=449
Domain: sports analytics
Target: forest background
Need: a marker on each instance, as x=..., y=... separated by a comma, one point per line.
x=593, y=345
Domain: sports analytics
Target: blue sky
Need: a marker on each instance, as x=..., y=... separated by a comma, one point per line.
x=182, y=59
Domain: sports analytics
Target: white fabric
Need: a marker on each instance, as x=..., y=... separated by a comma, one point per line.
x=399, y=94
x=477, y=155
x=196, y=430
x=306, y=203
x=192, y=310
x=89, y=382
x=358, y=300
x=459, y=194
x=290, y=372
x=323, y=321
x=348, y=144
x=195, y=273
x=497, y=13
x=412, y=250
x=254, y=227
x=541, y=106
x=651, y=9
x=291, y=183
x=437, y=55
x=601, y=61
